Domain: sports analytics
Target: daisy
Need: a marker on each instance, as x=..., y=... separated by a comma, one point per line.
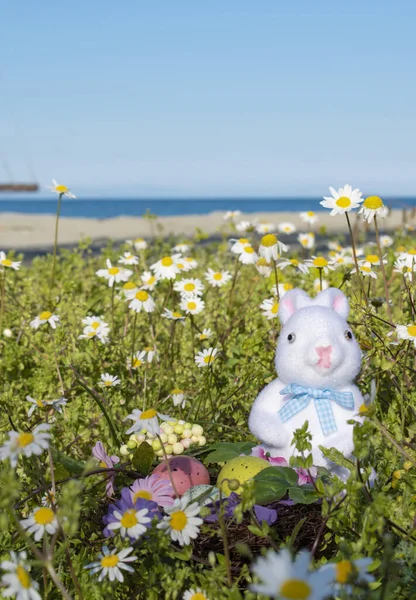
x=182, y=522
x=306, y=240
x=141, y=300
x=16, y=580
x=129, y=288
x=206, y=357
x=147, y=420
x=114, y=274
x=238, y=245
x=231, y=214
x=373, y=206
x=263, y=228
x=139, y=244
x=26, y=443
x=264, y=267
x=270, y=308
x=181, y=248
x=206, y=334
x=319, y=262
x=178, y=397
x=243, y=226
x=189, y=287
x=149, y=280
x=283, y=288
x=373, y=259
x=309, y=217
x=172, y=316
x=407, y=332
x=343, y=201
x=110, y=562
x=347, y=571
x=150, y=353
x=61, y=190
x=270, y=247
x=408, y=257
x=317, y=285
x=197, y=594
x=187, y=263
x=106, y=462
x=46, y=404
x=40, y=520
x=286, y=228
x=128, y=259
x=248, y=256
x=192, y=306
x=293, y=262
x=401, y=266
x=283, y=578
x=365, y=270
x=217, y=278
x=341, y=259
x=7, y=263
x=153, y=488
x=45, y=317
x=386, y=241
x=167, y=267
x=131, y=522
x=139, y=359
x=96, y=327
x=108, y=380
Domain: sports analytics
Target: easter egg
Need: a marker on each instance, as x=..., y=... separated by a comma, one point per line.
x=241, y=469
x=186, y=472
x=210, y=494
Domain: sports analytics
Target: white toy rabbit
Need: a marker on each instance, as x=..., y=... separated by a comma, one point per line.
x=317, y=360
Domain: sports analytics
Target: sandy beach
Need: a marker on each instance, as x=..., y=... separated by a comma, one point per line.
x=20, y=231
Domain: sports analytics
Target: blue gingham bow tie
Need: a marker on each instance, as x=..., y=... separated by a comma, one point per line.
x=301, y=396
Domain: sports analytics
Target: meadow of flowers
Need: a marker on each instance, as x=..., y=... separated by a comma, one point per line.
x=156, y=349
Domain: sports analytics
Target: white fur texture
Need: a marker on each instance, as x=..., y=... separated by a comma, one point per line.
x=316, y=327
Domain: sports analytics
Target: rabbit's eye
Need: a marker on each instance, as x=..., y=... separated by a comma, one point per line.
x=291, y=338
x=348, y=335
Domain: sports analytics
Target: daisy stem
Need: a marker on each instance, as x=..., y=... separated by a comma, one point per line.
x=237, y=266
x=320, y=280
x=383, y=271
x=277, y=280
x=55, y=245
x=3, y=288
x=354, y=254
x=133, y=337
x=57, y=364
x=112, y=307
x=412, y=304
x=165, y=458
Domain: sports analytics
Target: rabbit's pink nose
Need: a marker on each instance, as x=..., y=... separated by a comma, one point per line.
x=324, y=353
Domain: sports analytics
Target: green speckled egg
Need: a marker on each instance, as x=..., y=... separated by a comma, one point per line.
x=242, y=469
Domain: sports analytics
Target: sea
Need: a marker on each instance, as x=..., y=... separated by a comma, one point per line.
x=105, y=208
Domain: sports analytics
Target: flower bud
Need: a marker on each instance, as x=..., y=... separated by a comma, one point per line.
x=233, y=484
x=131, y=444
x=124, y=450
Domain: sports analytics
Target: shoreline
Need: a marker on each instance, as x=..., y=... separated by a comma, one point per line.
x=28, y=231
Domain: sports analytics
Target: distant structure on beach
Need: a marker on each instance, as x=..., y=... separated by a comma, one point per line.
x=19, y=187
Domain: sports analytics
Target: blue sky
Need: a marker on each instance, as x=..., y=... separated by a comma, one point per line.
x=185, y=98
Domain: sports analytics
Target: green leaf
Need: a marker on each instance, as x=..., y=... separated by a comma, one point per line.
x=303, y=494
x=70, y=464
x=143, y=458
x=336, y=457
x=225, y=451
x=275, y=482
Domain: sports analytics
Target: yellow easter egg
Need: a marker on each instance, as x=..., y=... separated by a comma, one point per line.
x=239, y=469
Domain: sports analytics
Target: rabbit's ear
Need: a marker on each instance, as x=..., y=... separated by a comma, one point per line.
x=335, y=299
x=291, y=302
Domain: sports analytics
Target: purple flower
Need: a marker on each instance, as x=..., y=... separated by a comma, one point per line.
x=108, y=462
x=265, y=514
x=229, y=505
x=126, y=507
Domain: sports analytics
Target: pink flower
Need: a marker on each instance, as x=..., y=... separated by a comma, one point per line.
x=303, y=475
x=153, y=488
x=108, y=462
x=276, y=461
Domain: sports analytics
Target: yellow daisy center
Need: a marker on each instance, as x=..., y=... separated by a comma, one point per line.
x=40, y=403
x=61, y=189
x=142, y=296
x=343, y=202
x=217, y=276
x=177, y=315
x=411, y=330
x=365, y=269
x=372, y=258
x=287, y=287
x=45, y=315
x=95, y=325
x=113, y=270
x=344, y=569
x=148, y=414
x=177, y=391
x=248, y=249
x=274, y=308
x=138, y=240
x=320, y=262
x=209, y=359
x=287, y=229
x=363, y=409
x=373, y=202
x=294, y=262
x=295, y=589
x=198, y=596
x=129, y=285
x=243, y=241
x=137, y=363
x=191, y=305
x=6, y=262
x=180, y=266
x=108, y=383
x=412, y=251
x=310, y=213
x=129, y=519
x=109, y=561
x=25, y=439
x=44, y=516
x=23, y=577
x=178, y=520
x=203, y=336
x=167, y=261
x=269, y=240
x=189, y=287
x=142, y=494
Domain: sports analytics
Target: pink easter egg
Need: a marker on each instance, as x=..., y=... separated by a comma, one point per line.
x=186, y=472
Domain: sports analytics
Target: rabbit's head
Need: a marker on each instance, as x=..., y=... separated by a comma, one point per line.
x=316, y=346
